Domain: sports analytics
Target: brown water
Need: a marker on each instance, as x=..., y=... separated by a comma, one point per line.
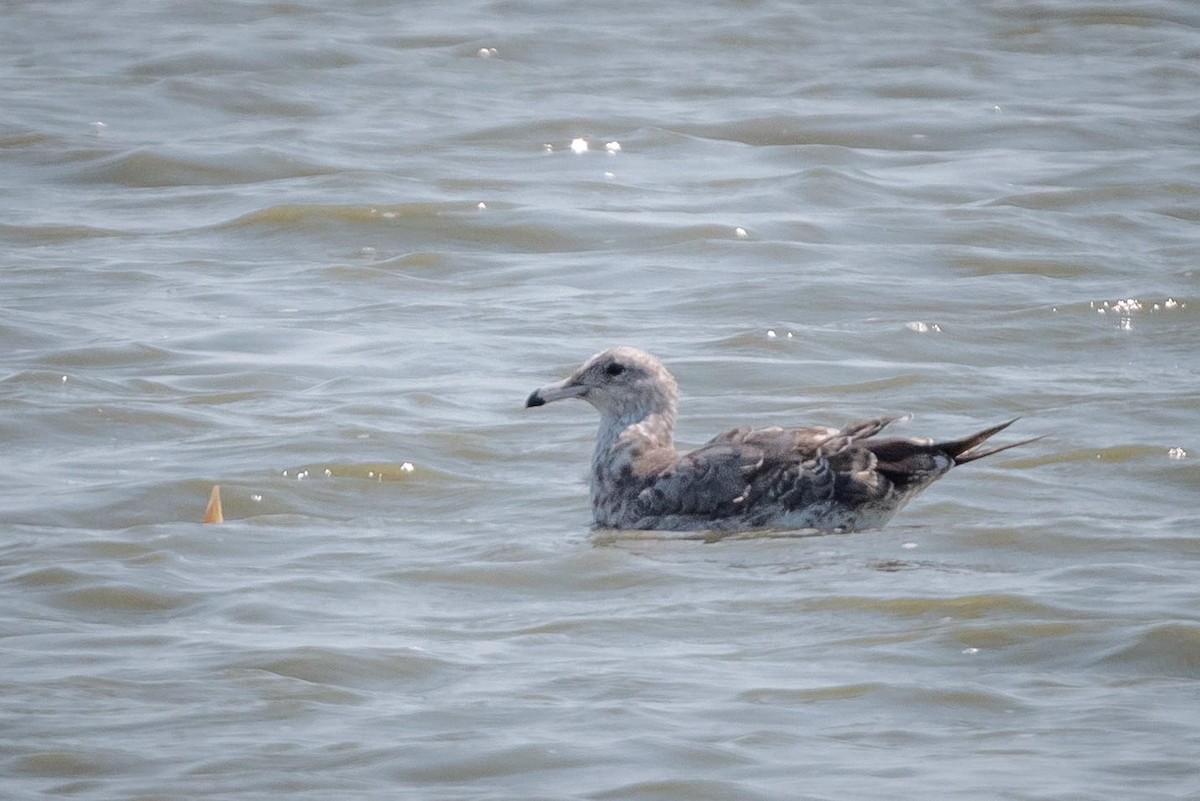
x=297, y=252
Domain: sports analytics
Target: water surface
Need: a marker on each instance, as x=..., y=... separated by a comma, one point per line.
x=297, y=251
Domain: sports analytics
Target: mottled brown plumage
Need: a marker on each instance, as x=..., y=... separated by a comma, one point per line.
x=809, y=477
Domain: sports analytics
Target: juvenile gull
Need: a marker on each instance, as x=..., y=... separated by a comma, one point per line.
x=745, y=478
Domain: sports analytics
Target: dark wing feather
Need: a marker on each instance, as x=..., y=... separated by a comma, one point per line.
x=768, y=468
x=705, y=482
x=909, y=462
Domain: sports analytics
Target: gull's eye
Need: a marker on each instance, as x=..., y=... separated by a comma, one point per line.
x=615, y=369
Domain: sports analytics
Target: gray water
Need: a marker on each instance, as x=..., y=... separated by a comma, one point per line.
x=320, y=257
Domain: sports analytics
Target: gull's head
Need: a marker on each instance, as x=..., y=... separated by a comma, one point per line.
x=623, y=383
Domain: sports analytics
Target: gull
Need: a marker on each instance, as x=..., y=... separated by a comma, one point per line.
x=812, y=477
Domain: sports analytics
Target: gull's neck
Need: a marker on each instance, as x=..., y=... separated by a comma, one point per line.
x=621, y=440
x=634, y=445
x=653, y=429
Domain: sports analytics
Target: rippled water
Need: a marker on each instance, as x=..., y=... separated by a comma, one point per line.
x=320, y=257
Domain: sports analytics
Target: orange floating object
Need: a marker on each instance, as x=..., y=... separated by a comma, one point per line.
x=213, y=513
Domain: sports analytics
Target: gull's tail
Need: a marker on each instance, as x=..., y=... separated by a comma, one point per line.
x=968, y=449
